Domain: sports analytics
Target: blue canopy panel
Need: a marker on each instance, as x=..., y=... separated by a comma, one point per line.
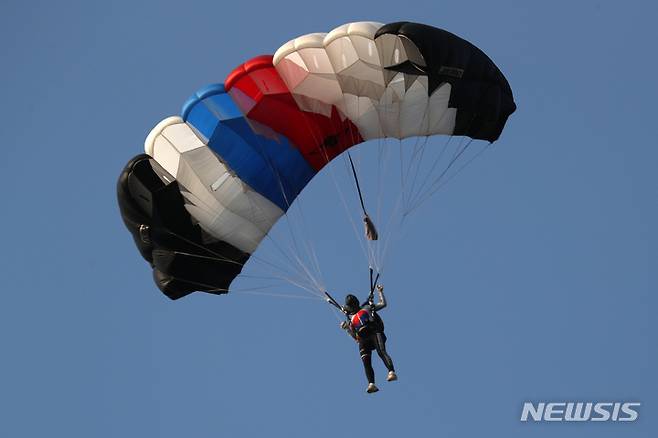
x=271, y=166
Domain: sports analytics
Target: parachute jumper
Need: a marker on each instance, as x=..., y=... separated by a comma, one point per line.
x=215, y=179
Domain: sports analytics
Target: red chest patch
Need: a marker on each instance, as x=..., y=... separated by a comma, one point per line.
x=360, y=318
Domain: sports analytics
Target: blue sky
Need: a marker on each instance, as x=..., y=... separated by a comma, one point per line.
x=532, y=276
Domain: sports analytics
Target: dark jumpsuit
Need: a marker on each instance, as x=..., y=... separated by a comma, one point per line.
x=372, y=337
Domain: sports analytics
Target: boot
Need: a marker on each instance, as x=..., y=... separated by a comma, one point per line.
x=371, y=388
x=391, y=376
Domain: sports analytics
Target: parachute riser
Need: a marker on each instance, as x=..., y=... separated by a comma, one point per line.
x=334, y=303
x=371, y=295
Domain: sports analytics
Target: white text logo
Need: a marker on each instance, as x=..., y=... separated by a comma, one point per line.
x=580, y=411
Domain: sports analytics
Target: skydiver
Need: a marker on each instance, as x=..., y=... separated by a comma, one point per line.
x=367, y=328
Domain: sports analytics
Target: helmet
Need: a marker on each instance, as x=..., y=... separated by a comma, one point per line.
x=351, y=303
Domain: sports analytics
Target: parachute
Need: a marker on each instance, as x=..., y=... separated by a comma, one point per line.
x=214, y=180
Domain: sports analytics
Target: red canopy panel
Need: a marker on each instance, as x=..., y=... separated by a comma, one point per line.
x=261, y=94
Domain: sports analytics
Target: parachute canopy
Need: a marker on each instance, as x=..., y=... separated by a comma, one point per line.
x=215, y=179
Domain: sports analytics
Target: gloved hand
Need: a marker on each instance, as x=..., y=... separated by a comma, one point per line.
x=344, y=325
x=380, y=287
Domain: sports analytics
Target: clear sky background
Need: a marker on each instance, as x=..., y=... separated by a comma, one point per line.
x=532, y=276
